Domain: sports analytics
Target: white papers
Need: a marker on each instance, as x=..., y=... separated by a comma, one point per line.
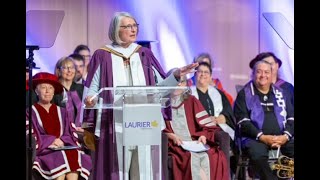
x=87, y=125
x=194, y=146
x=228, y=130
x=65, y=148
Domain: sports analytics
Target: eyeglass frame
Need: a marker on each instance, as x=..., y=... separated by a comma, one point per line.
x=131, y=26
x=66, y=68
x=203, y=72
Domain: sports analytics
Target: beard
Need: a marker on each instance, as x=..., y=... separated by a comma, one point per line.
x=78, y=77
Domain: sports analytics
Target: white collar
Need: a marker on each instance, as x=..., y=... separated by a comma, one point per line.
x=125, y=51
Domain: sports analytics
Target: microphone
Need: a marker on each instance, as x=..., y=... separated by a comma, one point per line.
x=155, y=75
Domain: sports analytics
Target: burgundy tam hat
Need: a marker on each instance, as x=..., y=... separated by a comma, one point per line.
x=44, y=77
x=263, y=55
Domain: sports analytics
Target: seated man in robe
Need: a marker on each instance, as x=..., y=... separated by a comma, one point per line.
x=265, y=118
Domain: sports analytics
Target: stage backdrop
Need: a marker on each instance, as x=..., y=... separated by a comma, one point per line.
x=232, y=31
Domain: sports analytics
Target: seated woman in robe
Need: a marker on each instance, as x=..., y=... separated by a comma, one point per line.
x=71, y=99
x=191, y=122
x=215, y=82
x=218, y=107
x=53, y=129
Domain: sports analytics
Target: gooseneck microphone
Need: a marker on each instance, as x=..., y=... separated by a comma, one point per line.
x=154, y=72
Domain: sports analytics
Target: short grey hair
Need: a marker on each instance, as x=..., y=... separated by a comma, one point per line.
x=114, y=26
x=202, y=56
x=260, y=62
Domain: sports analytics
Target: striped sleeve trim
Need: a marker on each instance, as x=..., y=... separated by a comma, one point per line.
x=75, y=134
x=290, y=119
x=258, y=135
x=200, y=114
x=244, y=119
x=73, y=125
x=210, y=124
x=205, y=121
x=287, y=132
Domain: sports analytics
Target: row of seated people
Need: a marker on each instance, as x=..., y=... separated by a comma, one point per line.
x=205, y=93
x=66, y=99
x=263, y=111
x=202, y=91
x=209, y=99
x=70, y=98
x=102, y=73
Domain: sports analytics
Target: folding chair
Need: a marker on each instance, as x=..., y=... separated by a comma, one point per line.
x=243, y=164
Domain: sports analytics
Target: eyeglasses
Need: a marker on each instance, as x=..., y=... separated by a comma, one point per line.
x=130, y=27
x=65, y=68
x=203, y=72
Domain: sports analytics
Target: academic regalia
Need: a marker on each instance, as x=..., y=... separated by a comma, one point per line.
x=47, y=126
x=112, y=73
x=250, y=108
x=189, y=122
x=287, y=88
x=72, y=100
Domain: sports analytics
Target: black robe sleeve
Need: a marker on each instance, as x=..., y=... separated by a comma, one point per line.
x=227, y=110
x=241, y=112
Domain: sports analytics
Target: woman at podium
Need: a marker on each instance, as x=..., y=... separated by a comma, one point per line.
x=121, y=63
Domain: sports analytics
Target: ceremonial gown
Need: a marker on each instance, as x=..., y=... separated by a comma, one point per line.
x=113, y=66
x=189, y=122
x=46, y=127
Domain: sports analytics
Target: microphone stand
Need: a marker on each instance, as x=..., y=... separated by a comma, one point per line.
x=31, y=65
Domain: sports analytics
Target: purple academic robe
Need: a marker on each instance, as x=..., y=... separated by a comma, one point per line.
x=74, y=101
x=53, y=163
x=106, y=163
x=257, y=113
